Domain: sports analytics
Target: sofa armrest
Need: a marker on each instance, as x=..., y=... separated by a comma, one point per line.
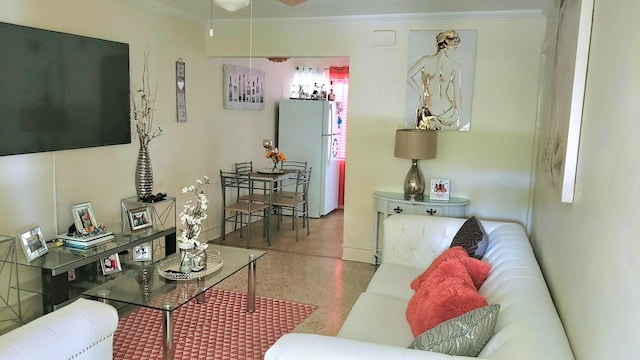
x=81, y=330
x=319, y=347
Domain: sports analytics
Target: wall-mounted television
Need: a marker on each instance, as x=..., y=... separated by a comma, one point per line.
x=61, y=91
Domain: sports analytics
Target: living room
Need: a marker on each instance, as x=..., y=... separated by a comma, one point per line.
x=495, y=165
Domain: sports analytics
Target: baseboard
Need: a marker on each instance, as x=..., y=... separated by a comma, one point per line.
x=357, y=254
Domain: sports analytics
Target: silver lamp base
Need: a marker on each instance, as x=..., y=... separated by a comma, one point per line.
x=414, y=183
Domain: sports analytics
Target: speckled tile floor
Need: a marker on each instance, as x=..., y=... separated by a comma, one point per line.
x=308, y=271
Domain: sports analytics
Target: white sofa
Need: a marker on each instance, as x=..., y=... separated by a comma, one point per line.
x=82, y=330
x=527, y=327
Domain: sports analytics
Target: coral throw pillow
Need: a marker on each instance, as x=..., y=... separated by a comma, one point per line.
x=478, y=270
x=451, y=297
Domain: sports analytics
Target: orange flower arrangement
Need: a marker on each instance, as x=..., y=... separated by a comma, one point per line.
x=275, y=156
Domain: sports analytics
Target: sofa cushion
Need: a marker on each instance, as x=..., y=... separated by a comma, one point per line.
x=465, y=335
x=394, y=280
x=478, y=270
x=434, y=304
x=378, y=318
x=472, y=237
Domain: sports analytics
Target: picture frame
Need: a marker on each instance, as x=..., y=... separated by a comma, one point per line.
x=143, y=252
x=83, y=217
x=33, y=243
x=565, y=69
x=243, y=88
x=111, y=264
x=140, y=218
x=440, y=189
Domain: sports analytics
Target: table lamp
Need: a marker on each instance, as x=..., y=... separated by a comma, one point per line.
x=415, y=144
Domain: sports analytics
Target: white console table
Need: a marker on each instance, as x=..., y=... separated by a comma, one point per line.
x=389, y=203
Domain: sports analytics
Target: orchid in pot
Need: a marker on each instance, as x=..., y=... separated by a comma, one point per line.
x=192, y=216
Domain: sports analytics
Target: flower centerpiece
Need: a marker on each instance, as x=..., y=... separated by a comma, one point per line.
x=276, y=157
x=143, y=101
x=192, y=216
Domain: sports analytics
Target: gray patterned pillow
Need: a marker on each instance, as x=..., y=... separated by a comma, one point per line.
x=472, y=237
x=465, y=335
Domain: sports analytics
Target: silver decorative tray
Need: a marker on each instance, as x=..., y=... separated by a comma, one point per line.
x=170, y=268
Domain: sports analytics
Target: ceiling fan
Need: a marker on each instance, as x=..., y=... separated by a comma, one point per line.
x=235, y=5
x=292, y=2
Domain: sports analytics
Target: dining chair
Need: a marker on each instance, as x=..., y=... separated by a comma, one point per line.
x=260, y=193
x=292, y=165
x=296, y=201
x=236, y=210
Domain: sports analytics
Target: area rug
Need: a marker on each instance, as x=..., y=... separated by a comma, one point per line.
x=219, y=329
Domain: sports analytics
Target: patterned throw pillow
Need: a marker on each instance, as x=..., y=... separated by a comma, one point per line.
x=472, y=237
x=465, y=335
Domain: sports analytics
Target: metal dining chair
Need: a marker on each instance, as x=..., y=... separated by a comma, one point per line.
x=296, y=201
x=236, y=210
x=292, y=165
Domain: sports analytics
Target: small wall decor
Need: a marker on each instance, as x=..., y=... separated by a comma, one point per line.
x=142, y=252
x=440, y=189
x=440, y=60
x=140, y=218
x=243, y=88
x=111, y=264
x=181, y=96
x=33, y=243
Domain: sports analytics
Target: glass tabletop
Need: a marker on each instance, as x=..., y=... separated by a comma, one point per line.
x=60, y=259
x=145, y=287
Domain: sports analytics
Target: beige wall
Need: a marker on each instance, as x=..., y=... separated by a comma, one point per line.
x=491, y=164
x=588, y=249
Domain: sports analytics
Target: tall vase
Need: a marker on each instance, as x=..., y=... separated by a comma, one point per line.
x=144, y=174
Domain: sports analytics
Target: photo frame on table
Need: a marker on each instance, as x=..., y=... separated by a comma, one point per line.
x=111, y=264
x=140, y=218
x=440, y=189
x=33, y=243
x=143, y=252
x=83, y=217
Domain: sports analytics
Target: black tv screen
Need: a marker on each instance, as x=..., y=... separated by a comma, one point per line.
x=61, y=91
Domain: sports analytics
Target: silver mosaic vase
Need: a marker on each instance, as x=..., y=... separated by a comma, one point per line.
x=144, y=174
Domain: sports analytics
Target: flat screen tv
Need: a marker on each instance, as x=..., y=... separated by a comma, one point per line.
x=61, y=91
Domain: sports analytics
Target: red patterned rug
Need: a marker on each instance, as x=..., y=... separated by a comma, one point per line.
x=219, y=329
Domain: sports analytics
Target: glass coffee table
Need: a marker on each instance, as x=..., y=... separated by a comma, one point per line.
x=146, y=288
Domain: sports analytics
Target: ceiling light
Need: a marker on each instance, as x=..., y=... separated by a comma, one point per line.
x=232, y=5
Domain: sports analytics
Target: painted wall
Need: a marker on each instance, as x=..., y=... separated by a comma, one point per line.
x=588, y=249
x=491, y=164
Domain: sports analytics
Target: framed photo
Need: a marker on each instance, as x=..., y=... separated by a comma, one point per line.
x=83, y=217
x=33, y=243
x=111, y=264
x=139, y=218
x=143, y=252
x=440, y=189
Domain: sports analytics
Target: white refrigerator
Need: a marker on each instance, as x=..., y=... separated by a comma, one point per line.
x=307, y=131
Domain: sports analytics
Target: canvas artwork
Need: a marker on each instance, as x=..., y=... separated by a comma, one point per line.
x=243, y=88
x=565, y=68
x=441, y=67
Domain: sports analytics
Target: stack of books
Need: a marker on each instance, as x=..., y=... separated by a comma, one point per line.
x=83, y=242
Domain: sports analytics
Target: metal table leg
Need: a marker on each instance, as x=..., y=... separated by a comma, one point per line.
x=168, y=350
x=251, y=291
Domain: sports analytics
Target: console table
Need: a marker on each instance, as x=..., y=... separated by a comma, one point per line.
x=66, y=272
x=389, y=203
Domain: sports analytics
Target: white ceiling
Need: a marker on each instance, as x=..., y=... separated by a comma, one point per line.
x=200, y=10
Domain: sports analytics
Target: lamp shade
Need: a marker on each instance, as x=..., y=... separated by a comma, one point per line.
x=232, y=5
x=415, y=144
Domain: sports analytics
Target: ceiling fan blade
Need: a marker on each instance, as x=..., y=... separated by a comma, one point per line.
x=292, y=2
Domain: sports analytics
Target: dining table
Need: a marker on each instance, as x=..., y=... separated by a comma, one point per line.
x=270, y=181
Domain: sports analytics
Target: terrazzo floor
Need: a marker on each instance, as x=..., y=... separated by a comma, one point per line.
x=308, y=271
